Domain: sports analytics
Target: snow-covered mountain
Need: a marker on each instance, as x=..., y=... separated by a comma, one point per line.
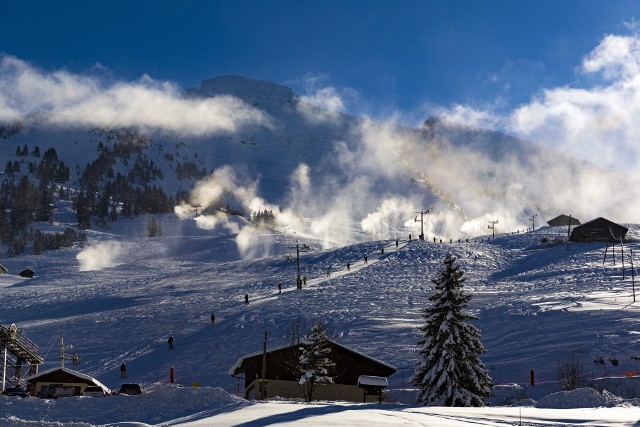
x=346, y=187
x=335, y=170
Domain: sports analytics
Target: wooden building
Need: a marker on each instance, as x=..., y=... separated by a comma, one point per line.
x=282, y=380
x=598, y=230
x=29, y=273
x=563, y=220
x=62, y=377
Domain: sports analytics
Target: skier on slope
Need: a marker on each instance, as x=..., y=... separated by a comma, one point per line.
x=170, y=342
x=123, y=370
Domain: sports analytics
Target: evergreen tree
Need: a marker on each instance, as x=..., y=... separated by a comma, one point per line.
x=315, y=361
x=450, y=372
x=83, y=213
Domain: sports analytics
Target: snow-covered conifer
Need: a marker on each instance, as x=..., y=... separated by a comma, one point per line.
x=450, y=372
x=315, y=361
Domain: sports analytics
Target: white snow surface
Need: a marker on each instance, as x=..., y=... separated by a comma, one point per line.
x=535, y=307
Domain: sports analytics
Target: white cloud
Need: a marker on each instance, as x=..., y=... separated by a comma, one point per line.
x=597, y=123
x=472, y=116
x=616, y=57
x=64, y=98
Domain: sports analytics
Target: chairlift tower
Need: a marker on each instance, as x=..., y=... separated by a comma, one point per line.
x=532, y=218
x=75, y=357
x=492, y=227
x=195, y=207
x=299, y=249
x=421, y=220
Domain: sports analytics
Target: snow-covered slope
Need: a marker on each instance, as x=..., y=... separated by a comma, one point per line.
x=537, y=303
x=345, y=187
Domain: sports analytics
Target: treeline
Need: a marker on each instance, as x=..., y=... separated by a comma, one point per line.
x=106, y=194
x=264, y=218
x=22, y=204
x=49, y=168
x=101, y=193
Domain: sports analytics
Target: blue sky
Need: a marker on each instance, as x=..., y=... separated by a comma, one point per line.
x=561, y=73
x=394, y=54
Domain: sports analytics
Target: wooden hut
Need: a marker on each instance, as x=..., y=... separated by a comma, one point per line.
x=598, y=230
x=63, y=377
x=282, y=380
x=29, y=273
x=563, y=220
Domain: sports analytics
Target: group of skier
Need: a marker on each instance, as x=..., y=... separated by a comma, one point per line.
x=123, y=367
x=366, y=259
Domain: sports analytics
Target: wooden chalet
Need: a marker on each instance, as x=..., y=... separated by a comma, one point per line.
x=29, y=273
x=282, y=380
x=598, y=230
x=62, y=377
x=563, y=220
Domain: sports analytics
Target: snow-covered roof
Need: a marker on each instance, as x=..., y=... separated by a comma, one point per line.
x=85, y=377
x=236, y=366
x=372, y=380
x=234, y=369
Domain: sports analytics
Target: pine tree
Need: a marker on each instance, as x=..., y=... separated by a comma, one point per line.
x=315, y=362
x=450, y=372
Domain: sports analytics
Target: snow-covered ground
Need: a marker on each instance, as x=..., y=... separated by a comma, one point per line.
x=538, y=303
x=203, y=407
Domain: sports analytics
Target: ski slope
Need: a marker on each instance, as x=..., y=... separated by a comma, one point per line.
x=537, y=303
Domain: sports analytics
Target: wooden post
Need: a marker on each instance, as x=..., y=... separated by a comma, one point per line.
x=605, y=253
x=263, y=383
x=613, y=253
x=4, y=368
x=622, y=246
x=633, y=276
x=298, y=279
x=569, y=234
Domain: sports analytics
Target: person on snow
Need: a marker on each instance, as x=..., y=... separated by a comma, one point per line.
x=170, y=342
x=348, y=266
x=382, y=251
x=328, y=271
x=304, y=280
x=396, y=243
x=366, y=259
x=246, y=299
x=280, y=287
x=123, y=370
x=213, y=319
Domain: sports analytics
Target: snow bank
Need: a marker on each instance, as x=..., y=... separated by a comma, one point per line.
x=505, y=394
x=164, y=404
x=583, y=398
